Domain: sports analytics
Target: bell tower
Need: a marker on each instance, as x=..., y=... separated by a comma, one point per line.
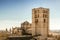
x=40, y=21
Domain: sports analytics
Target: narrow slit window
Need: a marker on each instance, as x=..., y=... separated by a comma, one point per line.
x=44, y=20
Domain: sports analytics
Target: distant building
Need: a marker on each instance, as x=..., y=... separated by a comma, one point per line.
x=17, y=31
x=27, y=27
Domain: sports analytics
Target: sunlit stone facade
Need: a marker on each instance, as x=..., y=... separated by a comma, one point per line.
x=40, y=21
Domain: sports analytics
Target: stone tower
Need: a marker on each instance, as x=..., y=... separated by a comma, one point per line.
x=40, y=21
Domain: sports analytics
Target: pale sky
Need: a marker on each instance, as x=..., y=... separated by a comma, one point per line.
x=13, y=12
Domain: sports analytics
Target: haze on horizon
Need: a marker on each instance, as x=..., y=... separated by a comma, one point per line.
x=14, y=12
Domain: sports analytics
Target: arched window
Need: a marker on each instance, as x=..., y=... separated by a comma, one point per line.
x=36, y=15
x=44, y=15
x=36, y=20
x=44, y=11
